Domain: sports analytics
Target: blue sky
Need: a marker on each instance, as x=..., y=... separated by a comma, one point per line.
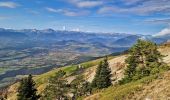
x=122, y=16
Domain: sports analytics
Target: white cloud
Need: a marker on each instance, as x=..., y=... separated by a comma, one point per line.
x=67, y=12
x=52, y=10
x=108, y=9
x=159, y=20
x=89, y=4
x=136, y=7
x=144, y=8
x=9, y=4
x=132, y=2
x=72, y=13
x=86, y=4
x=164, y=32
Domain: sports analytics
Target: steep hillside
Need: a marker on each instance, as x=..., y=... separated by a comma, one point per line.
x=155, y=87
x=117, y=64
x=143, y=88
x=159, y=89
x=71, y=72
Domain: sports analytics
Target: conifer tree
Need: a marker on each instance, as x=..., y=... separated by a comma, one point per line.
x=130, y=71
x=103, y=75
x=97, y=75
x=56, y=88
x=144, y=59
x=80, y=86
x=27, y=90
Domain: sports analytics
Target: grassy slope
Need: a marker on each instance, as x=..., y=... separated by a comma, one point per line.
x=156, y=87
x=118, y=92
x=41, y=80
x=121, y=92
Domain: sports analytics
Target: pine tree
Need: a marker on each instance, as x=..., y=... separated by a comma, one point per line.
x=56, y=88
x=80, y=87
x=144, y=59
x=131, y=68
x=27, y=90
x=103, y=75
x=97, y=75
x=86, y=88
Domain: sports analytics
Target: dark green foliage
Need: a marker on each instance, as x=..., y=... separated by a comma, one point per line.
x=27, y=90
x=80, y=87
x=144, y=60
x=87, y=89
x=97, y=75
x=57, y=88
x=130, y=71
x=103, y=75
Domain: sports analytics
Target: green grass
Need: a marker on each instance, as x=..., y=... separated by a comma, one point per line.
x=119, y=92
x=94, y=62
x=43, y=78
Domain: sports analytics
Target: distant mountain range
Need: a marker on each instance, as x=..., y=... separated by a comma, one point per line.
x=48, y=36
